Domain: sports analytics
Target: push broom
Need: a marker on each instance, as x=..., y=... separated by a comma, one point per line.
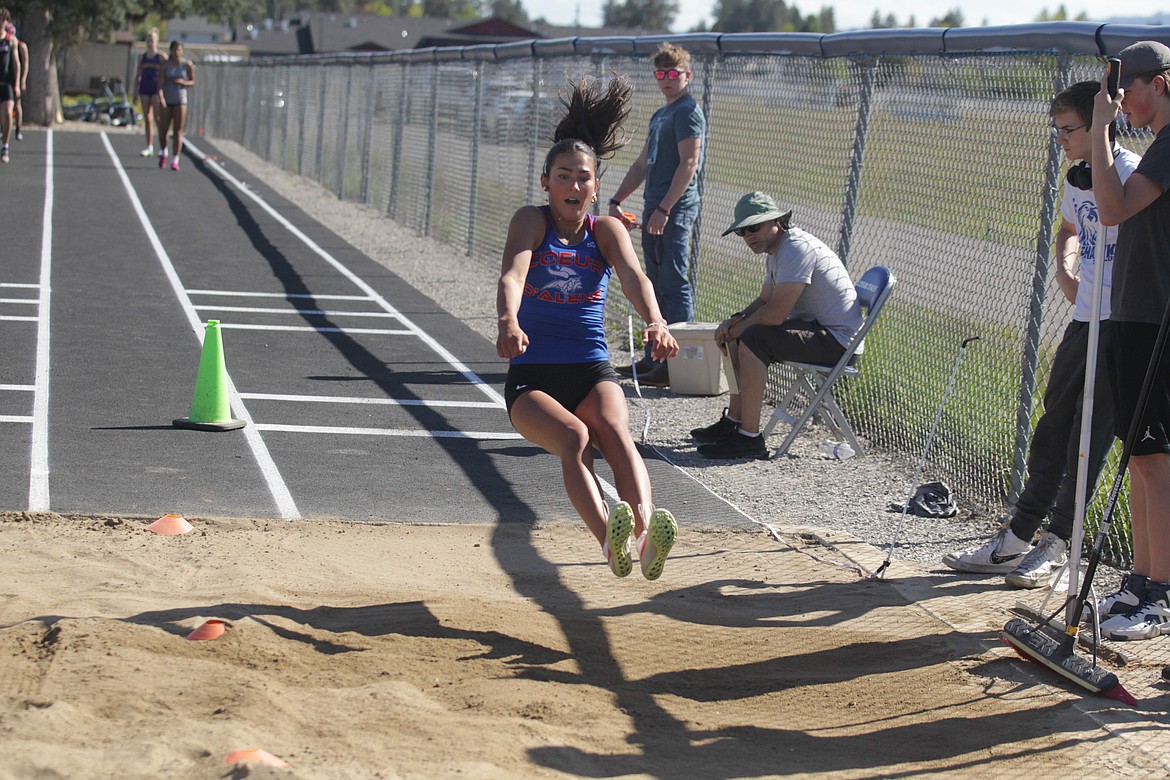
x=1044, y=643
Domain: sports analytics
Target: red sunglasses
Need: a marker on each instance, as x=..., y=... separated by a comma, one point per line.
x=672, y=74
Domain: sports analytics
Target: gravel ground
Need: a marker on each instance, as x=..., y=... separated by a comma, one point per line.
x=800, y=490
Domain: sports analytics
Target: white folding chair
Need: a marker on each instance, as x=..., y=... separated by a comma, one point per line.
x=816, y=381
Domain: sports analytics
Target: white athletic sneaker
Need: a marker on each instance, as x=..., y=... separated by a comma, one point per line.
x=1041, y=566
x=617, y=539
x=1151, y=619
x=1127, y=598
x=999, y=555
x=147, y=152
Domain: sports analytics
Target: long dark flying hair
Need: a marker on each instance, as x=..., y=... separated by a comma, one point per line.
x=593, y=120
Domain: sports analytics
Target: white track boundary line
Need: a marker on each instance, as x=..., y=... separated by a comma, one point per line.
x=19, y=284
x=404, y=432
x=302, y=312
x=361, y=284
x=15, y=318
x=28, y=301
x=341, y=399
x=19, y=388
x=38, y=478
x=311, y=329
x=276, y=484
x=14, y=418
x=290, y=296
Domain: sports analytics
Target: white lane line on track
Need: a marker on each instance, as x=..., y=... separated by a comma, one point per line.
x=361, y=284
x=13, y=418
x=410, y=433
x=20, y=285
x=29, y=301
x=28, y=388
x=311, y=329
x=341, y=399
x=38, y=477
x=15, y=318
x=276, y=484
x=291, y=296
x=315, y=312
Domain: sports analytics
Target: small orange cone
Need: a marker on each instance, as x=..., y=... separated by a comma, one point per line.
x=211, y=629
x=257, y=755
x=170, y=525
x=210, y=406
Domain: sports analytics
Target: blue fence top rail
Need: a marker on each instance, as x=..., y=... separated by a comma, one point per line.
x=1083, y=38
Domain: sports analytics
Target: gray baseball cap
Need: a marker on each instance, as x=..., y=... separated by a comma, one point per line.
x=1141, y=58
x=756, y=207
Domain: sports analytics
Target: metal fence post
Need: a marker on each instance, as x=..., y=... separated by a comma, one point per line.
x=857, y=158
x=343, y=152
x=367, y=142
x=476, y=125
x=432, y=144
x=304, y=106
x=530, y=191
x=696, y=233
x=1031, y=357
x=284, y=113
x=404, y=109
x=320, y=158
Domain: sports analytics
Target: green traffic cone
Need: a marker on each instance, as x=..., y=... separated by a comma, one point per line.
x=210, y=407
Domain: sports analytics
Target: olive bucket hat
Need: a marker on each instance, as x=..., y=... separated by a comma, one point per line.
x=756, y=207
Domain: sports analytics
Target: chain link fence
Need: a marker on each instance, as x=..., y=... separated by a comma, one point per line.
x=928, y=151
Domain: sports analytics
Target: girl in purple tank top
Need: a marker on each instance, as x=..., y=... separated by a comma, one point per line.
x=562, y=393
x=148, y=77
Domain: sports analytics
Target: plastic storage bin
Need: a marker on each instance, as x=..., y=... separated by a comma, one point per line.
x=699, y=368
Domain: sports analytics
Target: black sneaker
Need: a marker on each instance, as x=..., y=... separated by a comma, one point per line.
x=626, y=370
x=736, y=445
x=659, y=376
x=716, y=431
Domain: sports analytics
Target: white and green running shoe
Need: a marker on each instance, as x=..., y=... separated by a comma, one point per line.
x=617, y=539
x=655, y=544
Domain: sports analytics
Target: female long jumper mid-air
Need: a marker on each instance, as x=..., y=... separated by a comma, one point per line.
x=562, y=393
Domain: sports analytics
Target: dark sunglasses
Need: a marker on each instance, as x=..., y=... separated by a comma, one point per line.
x=671, y=74
x=749, y=229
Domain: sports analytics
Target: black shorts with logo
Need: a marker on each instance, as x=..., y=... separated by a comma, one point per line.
x=1129, y=348
x=567, y=383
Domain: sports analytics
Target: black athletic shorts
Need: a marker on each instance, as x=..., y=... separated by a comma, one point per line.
x=1129, y=348
x=567, y=383
x=794, y=340
x=7, y=92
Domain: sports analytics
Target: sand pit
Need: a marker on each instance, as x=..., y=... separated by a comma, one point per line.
x=398, y=651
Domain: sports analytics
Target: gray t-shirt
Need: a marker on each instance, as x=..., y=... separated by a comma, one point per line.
x=670, y=124
x=830, y=298
x=1141, y=270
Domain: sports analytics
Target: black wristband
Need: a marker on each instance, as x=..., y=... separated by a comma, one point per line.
x=614, y=202
x=664, y=211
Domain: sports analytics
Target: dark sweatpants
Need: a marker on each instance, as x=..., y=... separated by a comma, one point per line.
x=1055, y=447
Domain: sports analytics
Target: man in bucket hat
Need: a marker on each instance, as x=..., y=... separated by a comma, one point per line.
x=807, y=311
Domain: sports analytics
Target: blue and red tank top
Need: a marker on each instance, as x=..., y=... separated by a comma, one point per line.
x=563, y=307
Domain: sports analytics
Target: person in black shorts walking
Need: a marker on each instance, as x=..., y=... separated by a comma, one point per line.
x=9, y=81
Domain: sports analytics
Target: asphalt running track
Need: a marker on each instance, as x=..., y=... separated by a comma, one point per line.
x=365, y=400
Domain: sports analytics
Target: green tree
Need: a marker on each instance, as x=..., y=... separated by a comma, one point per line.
x=509, y=10
x=953, y=18
x=644, y=14
x=769, y=16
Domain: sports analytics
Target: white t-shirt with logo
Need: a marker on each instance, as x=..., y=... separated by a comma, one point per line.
x=1079, y=207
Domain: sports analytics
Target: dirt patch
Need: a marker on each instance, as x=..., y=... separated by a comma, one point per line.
x=385, y=651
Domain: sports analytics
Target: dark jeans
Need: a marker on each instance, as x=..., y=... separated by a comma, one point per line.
x=1055, y=448
x=668, y=265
